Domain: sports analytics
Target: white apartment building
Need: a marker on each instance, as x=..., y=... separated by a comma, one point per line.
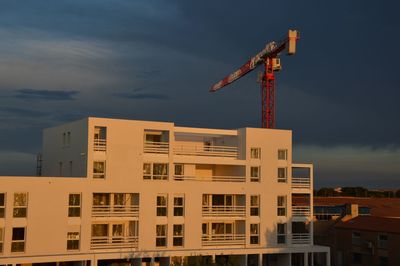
x=125, y=192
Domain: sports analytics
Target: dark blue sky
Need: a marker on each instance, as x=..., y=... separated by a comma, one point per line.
x=155, y=60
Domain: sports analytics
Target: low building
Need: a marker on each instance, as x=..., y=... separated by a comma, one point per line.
x=123, y=192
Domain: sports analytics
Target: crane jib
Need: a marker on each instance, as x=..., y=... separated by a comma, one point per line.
x=271, y=49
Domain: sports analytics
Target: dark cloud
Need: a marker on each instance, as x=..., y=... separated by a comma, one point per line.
x=141, y=95
x=21, y=112
x=33, y=94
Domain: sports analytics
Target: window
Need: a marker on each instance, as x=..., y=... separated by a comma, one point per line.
x=74, y=206
x=161, y=235
x=254, y=234
x=222, y=228
x=101, y=199
x=160, y=171
x=2, y=205
x=18, y=239
x=282, y=174
x=179, y=205
x=99, y=231
x=282, y=155
x=162, y=205
x=178, y=235
x=178, y=170
x=383, y=241
x=383, y=261
x=1, y=239
x=73, y=241
x=20, y=205
x=356, y=238
x=255, y=174
x=255, y=153
x=99, y=169
x=64, y=139
x=281, y=205
x=155, y=171
x=281, y=233
x=254, y=205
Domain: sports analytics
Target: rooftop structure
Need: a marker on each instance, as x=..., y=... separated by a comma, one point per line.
x=139, y=192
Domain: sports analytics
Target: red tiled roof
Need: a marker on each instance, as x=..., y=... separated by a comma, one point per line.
x=382, y=207
x=372, y=223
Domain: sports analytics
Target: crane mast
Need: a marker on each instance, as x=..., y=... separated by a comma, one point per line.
x=269, y=58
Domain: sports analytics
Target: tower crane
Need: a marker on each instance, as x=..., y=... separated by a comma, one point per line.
x=269, y=58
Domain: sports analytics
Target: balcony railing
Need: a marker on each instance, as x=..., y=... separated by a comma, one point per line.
x=213, y=151
x=106, y=242
x=115, y=211
x=224, y=211
x=301, y=211
x=301, y=182
x=100, y=145
x=301, y=238
x=211, y=178
x=223, y=240
x=156, y=147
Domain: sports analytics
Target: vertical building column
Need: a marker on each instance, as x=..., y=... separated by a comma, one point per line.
x=328, y=258
x=152, y=261
x=243, y=260
x=260, y=259
x=305, y=259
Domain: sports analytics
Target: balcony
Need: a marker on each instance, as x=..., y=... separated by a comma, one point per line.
x=107, y=242
x=224, y=211
x=301, y=182
x=156, y=147
x=211, y=178
x=99, y=145
x=223, y=240
x=301, y=211
x=115, y=211
x=301, y=238
x=206, y=150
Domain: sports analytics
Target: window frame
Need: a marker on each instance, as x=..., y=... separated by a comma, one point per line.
x=72, y=207
x=14, y=242
x=178, y=207
x=99, y=175
x=281, y=237
x=255, y=208
x=162, y=209
x=162, y=237
x=178, y=237
x=151, y=175
x=256, y=235
x=3, y=207
x=284, y=178
x=255, y=153
x=1, y=239
x=284, y=152
x=17, y=207
x=71, y=242
x=281, y=206
x=255, y=178
x=383, y=243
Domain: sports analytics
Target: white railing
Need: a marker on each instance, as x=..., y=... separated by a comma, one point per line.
x=156, y=147
x=211, y=178
x=214, y=151
x=223, y=240
x=301, y=182
x=225, y=211
x=115, y=211
x=301, y=211
x=105, y=242
x=100, y=145
x=301, y=238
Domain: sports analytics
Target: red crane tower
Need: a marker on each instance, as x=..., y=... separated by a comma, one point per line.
x=269, y=58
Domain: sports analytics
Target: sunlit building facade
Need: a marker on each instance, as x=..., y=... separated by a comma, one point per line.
x=124, y=192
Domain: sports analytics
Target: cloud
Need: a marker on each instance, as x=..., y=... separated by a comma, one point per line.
x=351, y=165
x=33, y=94
x=138, y=95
